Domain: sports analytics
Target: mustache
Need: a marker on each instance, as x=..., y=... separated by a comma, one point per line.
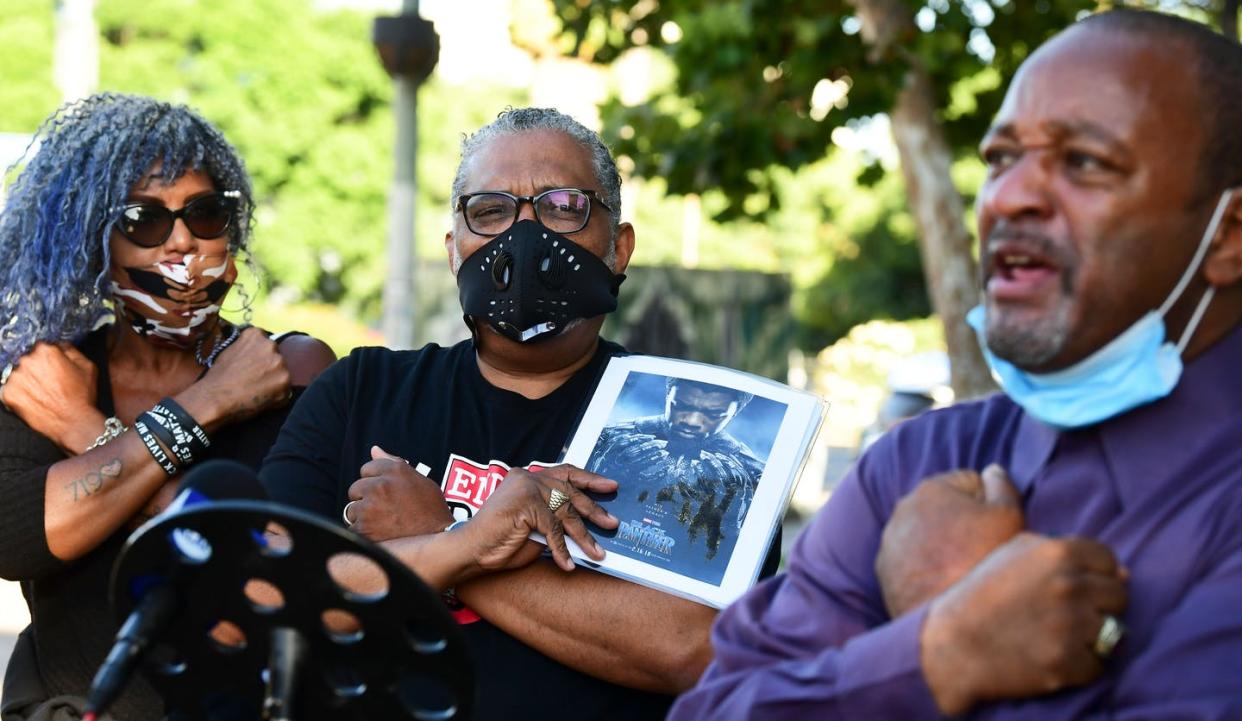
x=1040, y=244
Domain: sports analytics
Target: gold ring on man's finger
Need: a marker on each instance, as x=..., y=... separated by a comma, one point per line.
x=557, y=499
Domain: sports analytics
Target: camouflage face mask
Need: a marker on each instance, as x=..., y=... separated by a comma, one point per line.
x=176, y=303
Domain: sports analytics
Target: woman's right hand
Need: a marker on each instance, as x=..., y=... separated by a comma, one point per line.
x=499, y=533
x=52, y=389
x=247, y=378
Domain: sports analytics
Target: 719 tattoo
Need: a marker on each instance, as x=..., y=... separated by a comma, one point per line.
x=94, y=480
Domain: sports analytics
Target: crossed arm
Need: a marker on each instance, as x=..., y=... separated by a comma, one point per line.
x=612, y=629
x=88, y=495
x=606, y=627
x=946, y=604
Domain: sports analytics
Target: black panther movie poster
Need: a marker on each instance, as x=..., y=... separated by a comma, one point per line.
x=705, y=459
x=689, y=457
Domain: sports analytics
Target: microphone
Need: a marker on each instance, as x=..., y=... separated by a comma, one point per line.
x=218, y=480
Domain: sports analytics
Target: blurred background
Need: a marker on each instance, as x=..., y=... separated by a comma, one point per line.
x=799, y=173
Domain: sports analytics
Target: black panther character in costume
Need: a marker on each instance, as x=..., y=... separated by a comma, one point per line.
x=686, y=457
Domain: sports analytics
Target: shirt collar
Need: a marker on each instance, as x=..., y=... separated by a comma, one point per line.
x=1032, y=447
x=1145, y=445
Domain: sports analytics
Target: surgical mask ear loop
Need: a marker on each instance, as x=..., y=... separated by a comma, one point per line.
x=1209, y=234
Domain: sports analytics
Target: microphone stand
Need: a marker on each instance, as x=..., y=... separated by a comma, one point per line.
x=135, y=636
x=407, y=658
x=285, y=666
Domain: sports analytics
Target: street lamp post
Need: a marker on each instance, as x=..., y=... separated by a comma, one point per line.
x=408, y=48
x=75, y=64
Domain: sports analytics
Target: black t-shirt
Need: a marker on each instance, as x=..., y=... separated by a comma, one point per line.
x=433, y=406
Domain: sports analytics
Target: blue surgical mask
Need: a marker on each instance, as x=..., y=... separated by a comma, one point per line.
x=1133, y=369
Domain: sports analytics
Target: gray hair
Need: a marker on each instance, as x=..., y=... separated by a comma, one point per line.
x=517, y=120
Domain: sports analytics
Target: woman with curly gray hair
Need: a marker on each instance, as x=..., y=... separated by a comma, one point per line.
x=118, y=244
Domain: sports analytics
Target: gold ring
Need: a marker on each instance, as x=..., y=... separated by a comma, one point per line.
x=557, y=499
x=345, y=514
x=1109, y=636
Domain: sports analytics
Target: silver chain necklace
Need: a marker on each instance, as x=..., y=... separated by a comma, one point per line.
x=215, y=351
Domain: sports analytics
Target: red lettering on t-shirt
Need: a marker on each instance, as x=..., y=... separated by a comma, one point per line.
x=469, y=483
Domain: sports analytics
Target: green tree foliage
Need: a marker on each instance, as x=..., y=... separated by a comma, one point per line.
x=874, y=270
x=742, y=110
x=27, y=93
x=303, y=98
x=740, y=114
x=747, y=70
x=850, y=250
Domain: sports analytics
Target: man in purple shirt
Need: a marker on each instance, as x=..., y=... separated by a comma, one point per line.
x=1071, y=549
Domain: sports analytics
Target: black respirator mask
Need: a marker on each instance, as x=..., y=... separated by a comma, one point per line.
x=529, y=282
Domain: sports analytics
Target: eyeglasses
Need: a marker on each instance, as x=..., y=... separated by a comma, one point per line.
x=150, y=224
x=564, y=210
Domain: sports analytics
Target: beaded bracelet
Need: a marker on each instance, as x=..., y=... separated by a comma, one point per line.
x=113, y=427
x=153, y=447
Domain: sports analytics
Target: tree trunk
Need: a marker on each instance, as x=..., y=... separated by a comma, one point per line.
x=1229, y=18
x=926, y=164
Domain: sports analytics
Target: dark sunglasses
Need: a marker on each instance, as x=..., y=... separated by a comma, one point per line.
x=150, y=224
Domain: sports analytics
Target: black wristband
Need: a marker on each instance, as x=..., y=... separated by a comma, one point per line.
x=153, y=446
x=187, y=422
x=165, y=426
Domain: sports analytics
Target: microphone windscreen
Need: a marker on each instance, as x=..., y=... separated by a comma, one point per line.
x=223, y=480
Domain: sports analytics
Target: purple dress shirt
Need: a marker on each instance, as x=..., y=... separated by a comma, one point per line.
x=1161, y=485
